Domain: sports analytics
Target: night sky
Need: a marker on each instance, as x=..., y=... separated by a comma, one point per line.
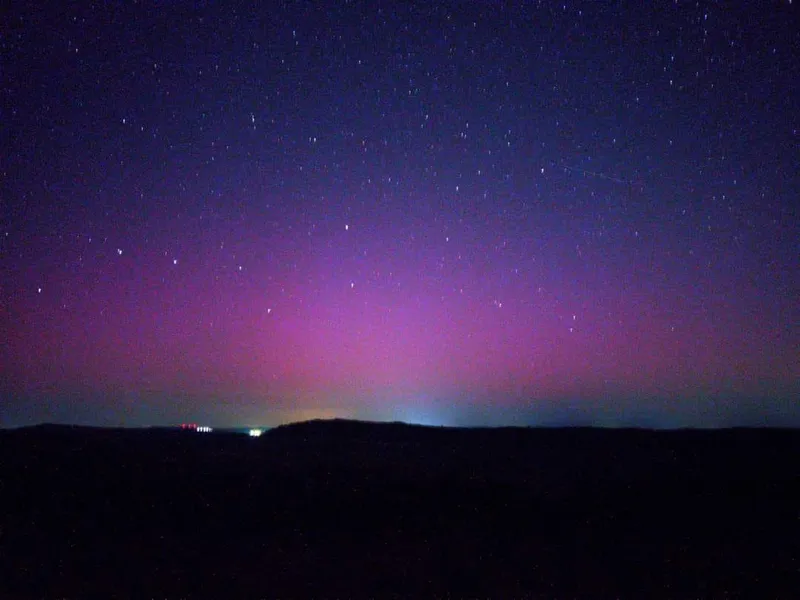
x=439, y=212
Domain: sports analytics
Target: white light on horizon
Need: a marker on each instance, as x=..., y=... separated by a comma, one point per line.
x=255, y=433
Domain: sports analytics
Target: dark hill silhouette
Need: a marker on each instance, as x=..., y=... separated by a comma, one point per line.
x=344, y=508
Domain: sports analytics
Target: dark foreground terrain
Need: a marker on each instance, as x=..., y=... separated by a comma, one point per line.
x=344, y=509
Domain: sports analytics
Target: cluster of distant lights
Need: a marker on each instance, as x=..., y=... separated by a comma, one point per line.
x=207, y=429
x=196, y=427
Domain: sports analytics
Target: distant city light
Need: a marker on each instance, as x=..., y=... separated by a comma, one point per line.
x=204, y=429
x=255, y=432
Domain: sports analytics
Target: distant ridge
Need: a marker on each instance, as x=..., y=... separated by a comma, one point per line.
x=56, y=428
x=357, y=427
x=351, y=430
x=365, y=428
x=340, y=424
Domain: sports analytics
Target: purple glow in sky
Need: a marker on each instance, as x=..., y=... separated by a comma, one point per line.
x=447, y=213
